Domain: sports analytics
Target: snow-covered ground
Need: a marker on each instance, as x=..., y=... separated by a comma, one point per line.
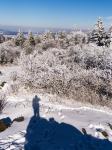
x=64, y=132
x=78, y=117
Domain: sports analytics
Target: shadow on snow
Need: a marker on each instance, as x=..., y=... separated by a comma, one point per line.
x=43, y=134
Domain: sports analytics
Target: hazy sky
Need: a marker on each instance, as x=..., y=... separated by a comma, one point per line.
x=54, y=13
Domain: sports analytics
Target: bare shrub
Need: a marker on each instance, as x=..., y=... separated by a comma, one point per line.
x=13, y=76
x=8, y=54
x=3, y=102
x=14, y=87
x=77, y=72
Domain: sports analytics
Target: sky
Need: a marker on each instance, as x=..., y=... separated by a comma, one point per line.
x=54, y=13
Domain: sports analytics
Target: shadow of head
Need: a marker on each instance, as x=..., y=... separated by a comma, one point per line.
x=43, y=134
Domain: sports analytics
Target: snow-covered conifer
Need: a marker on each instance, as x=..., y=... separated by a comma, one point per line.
x=31, y=39
x=99, y=35
x=19, y=40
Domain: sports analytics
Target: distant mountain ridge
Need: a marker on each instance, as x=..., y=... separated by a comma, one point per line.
x=5, y=32
x=13, y=30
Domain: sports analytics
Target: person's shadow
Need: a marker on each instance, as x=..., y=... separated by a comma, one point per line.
x=35, y=105
x=43, y=134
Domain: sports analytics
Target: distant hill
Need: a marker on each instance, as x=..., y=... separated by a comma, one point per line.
x=13, y=30
x=5, y=32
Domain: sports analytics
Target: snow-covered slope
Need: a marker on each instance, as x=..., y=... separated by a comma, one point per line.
x=65, y=131
x=62, y=132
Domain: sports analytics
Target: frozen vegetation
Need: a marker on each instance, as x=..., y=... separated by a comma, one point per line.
x=71, y=74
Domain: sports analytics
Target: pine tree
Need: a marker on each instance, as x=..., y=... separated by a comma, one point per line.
x=99, y=36
x=110, y=31
x=20, y=39
x=31, y=39
x=2, y=38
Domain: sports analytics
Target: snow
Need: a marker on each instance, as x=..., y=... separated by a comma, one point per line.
x=78, y=117
x=12, y=147
x=22, y=140
x=69, y=121
x=91, y=126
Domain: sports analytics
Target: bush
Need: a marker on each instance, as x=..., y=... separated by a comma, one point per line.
x=3, y=102
x=81, y=73
x=8, y=54
x=13, y=76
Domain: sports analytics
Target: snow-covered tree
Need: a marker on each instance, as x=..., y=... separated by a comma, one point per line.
x=110, y=31
x=31, y=39
x=2, y=38
x=99, y=36
x=19, y=40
